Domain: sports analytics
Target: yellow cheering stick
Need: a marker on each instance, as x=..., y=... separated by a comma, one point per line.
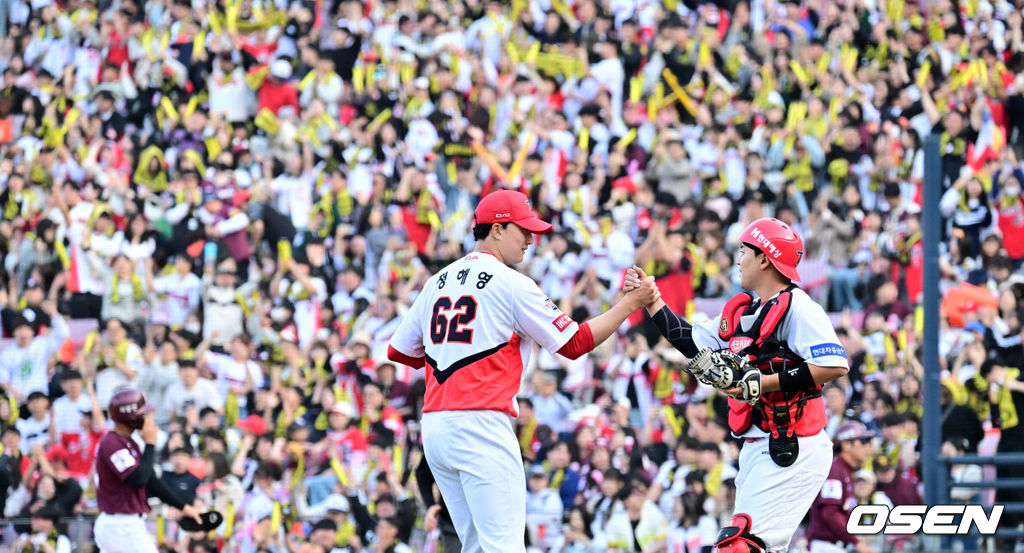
x=214, y=19
x=492, y=163
x=565, y=12
x=513, y=54
x=339, y=471
x=922, y=75
x=275, y=516
x=198, y=44
x=517, y=165
x=684, y=98
x=625, y=141
x=517, y=7
x=799, y=72
x=531, y=54
x=229, y=520
x=654, y=104
x=636, y=90
x=232, y=15
x=378, y=121
x=584, y=140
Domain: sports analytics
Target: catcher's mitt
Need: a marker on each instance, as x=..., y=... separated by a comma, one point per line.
x=725, y=370
x=210, y=521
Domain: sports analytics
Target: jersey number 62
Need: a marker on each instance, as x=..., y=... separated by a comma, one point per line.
x=448, y=320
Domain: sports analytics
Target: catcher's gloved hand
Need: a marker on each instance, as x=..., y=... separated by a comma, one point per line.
x=726, y=370
x=749, y=384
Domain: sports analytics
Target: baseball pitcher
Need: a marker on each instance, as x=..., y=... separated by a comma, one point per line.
x=473, y=326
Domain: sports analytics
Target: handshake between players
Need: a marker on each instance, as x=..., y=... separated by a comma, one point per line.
x=720, y=369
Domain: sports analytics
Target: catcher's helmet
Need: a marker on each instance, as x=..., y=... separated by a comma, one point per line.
x=779, y=242
x=128, y=407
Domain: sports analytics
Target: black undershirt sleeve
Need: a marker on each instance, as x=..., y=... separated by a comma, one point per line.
x=158, y=488
x=144, y=473
x=676, y=330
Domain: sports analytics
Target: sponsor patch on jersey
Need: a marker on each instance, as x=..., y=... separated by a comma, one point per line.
x=739, y=343
x=550, y=306
x=562, y=322
x=833, y=489
x=122, y=460
x=823, y=350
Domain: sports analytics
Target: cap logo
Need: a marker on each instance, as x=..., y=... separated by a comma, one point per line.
x=129, y=408
x=502, y=215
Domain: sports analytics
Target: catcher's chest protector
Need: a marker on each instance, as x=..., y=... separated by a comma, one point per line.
x=779, y=413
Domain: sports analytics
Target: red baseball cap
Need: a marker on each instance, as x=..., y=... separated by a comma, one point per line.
x=510, y=206
x=58, y=452
x=253, y=424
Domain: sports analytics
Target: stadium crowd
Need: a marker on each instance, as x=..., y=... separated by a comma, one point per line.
x=245, y=196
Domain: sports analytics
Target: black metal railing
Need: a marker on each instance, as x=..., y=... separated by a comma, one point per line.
x=1000, y=459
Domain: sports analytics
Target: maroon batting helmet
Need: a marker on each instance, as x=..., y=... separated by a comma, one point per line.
x=128, y=407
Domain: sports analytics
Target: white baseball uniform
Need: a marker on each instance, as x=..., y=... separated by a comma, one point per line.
x=777, y=498
x=474, y=323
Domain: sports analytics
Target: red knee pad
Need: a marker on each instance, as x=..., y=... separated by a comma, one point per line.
x=737, y=538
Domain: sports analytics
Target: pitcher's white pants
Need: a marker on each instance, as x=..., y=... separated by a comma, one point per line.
x=777, y=498
x=476, y=462
x=123, y=534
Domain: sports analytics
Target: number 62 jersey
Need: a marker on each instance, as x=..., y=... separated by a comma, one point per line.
x=473, y=325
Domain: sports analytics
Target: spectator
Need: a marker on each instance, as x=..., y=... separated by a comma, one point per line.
x=895, y=485
x=191, y=393
x=577, y=533
x=549, y=406
x=23, y=363
x=114, y=362
x=608, y=503
x=543, y=511
x=179, y=479
x=691, y=528
x=43, y=536
x=36, y=429
x=640, y=525
x=67, y=409
x=670, y=482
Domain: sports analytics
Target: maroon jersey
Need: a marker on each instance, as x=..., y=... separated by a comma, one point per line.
x=116, y=458
x=831, y=509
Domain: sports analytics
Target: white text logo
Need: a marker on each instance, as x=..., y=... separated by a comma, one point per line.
x=766, y=244
x=911, y=519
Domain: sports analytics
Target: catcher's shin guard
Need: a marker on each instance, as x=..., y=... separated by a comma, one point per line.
x=737, y=537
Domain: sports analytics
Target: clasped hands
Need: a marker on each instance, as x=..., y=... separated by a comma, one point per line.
x=640, y=289
x=721, y=369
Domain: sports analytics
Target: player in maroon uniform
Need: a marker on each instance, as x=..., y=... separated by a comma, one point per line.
x=126, y=479
x=831, y=509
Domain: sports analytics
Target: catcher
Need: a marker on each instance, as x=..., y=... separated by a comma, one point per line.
x=770, y=352
x=126, y=480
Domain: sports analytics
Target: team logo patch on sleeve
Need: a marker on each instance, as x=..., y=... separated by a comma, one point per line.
x=122, y=460
x=824, y=350
x=833, y=489
x=562, y=322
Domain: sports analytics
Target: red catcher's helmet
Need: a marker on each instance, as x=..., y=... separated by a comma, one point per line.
x=128, y=407
x=779, y=242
